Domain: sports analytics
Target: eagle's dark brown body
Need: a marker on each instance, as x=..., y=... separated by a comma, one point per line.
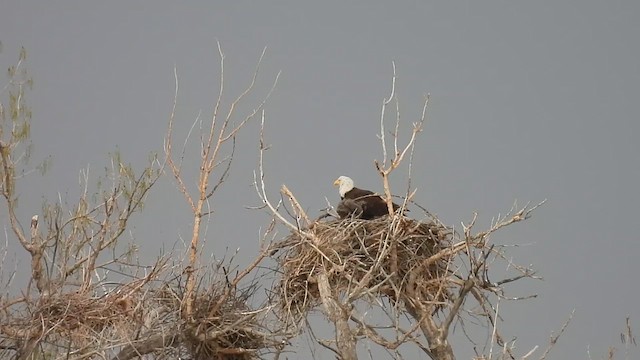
x=362, y=204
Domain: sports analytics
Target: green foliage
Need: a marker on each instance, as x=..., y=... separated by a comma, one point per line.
x=15, y=147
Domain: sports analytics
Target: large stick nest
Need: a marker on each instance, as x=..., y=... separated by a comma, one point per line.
x=226, y=328
x=76, y=316
x=222, y=326
x=355, y=252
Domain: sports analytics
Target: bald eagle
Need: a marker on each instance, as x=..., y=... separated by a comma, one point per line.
x=359, y=203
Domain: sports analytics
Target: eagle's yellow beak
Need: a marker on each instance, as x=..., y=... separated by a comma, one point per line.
x=336, y=183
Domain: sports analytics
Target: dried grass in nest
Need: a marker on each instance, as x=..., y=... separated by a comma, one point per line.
x=230, y=331
x=77, y=316
x=348, y=249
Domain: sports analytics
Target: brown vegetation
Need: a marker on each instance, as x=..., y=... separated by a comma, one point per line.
x=354, y=251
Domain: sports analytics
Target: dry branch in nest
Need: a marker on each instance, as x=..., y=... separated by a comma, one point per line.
x=136, y=323
x=77, y=317
x=355, y=255
x=222, y=327
x=225, y=329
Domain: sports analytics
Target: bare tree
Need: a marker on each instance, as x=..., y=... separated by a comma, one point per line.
x=88, y=296
x=418, y=274
x=74, y=293
x=392, y=284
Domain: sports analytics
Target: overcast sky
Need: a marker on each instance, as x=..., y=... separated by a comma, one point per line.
x=530, y=100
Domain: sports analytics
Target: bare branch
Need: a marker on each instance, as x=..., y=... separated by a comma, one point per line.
x=382, y=112
x=554, y=338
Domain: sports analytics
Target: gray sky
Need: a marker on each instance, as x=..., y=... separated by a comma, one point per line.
x=529, y=101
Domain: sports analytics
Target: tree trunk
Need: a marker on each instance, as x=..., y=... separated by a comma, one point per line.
x=339, y=315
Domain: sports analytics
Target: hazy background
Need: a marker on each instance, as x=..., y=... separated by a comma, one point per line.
x=529, y=101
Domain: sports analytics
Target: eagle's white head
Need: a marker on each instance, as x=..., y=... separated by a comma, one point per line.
x=344, y=184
